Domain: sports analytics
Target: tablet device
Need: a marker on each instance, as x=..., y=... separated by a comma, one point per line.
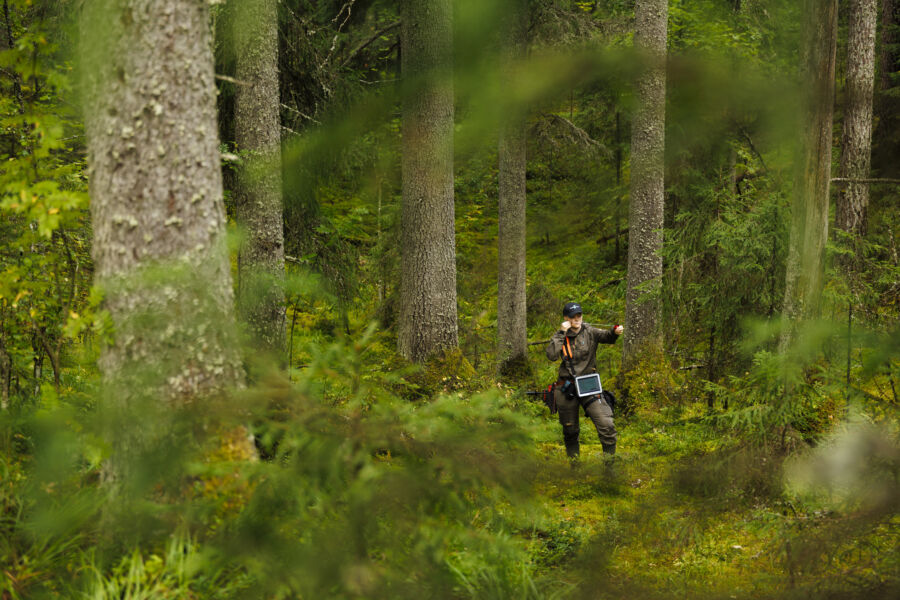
x=588, y=385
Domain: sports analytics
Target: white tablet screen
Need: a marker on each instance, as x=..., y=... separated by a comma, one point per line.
x=588, y=385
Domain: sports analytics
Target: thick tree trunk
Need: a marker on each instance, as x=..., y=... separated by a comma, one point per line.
x=809, y=212
x=512, y=331
x=887, y=56
x=645, y=219
x=258, y=195
x=887, y=104
x=856, y=142
x=428, y=321
x=156, y=198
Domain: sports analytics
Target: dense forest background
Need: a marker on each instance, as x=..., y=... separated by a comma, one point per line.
x=275, y=276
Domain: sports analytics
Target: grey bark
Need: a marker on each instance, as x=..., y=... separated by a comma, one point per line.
x=809, y=210
x=428, y=321
x=856, y=141
x=258, y=203
x=645, y=220
x=156, y=198
x=512, y=334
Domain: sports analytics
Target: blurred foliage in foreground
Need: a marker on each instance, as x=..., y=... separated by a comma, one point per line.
x=355, y=500
x=359, y=494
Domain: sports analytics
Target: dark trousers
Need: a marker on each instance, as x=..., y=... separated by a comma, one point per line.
x=597, y=411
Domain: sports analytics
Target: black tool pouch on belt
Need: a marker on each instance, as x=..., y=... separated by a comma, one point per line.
x=610, y=399
x=549, y=398
x=567, y=387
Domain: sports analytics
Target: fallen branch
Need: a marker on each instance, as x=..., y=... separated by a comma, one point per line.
x=870, y=395
x=300, y=114
x=857, y=180
x=610, y=283
x=601, y=326
x=612, y=236
x=575, y=135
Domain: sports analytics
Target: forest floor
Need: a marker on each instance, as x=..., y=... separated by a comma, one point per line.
x=682, y=512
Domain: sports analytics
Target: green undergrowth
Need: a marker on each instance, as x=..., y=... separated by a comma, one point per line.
x=683, y=513
x=378, y=479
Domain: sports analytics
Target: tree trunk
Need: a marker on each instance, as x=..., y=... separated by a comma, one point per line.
x=887, y=104
x=11, y=43
x=809, y=213
x=647, y=182
x=5, y=370
x=887, y=60
x=618, y=216
x=512, y=331
x=428, y=321
x=156, y=198
x=258, y=192
x=856, y=143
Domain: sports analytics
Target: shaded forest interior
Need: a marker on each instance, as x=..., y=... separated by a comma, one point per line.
x=275, y=276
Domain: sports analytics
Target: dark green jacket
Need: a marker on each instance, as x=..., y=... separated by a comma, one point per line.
x=584, y=348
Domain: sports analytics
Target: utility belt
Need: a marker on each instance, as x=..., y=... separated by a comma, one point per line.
x=566, y=385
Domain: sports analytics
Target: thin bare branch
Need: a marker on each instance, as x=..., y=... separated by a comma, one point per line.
x=348, y=7
x=359, y=48
x=300, y=114
x=232, y=80
x=557, y=127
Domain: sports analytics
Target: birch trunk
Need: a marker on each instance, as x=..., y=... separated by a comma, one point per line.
x=428, y=321
x=645, y=219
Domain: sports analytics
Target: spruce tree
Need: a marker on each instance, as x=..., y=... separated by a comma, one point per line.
x=156, y=198
x=427, y=320
x=258, y=204
x=645, y=220
x=809, y=207
x=511, y=314
x=856, y=142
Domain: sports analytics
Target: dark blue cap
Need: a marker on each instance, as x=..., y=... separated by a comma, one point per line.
x=571, y=309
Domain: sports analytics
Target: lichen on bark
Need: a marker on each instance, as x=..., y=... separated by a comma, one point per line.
x=258, y=203
x=156, y=198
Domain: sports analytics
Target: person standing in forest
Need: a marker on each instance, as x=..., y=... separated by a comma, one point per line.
x=575, y=343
